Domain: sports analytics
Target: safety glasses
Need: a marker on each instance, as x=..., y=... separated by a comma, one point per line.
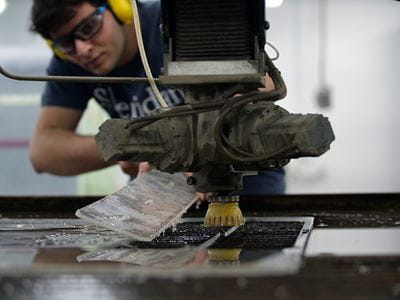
x=84, y=31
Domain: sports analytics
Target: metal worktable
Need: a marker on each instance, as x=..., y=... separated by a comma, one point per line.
x=333, y=274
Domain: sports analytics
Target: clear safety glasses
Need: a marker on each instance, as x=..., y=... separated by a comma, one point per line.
x=84, y=31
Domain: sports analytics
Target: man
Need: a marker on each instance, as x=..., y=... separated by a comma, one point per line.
x=93, y=40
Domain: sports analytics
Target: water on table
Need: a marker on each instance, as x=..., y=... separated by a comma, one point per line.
x=74, y=242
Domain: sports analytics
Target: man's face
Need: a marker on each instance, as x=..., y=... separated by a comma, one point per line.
x=105, y=50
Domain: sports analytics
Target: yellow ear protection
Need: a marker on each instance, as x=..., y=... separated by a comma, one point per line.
x=56, y=52
x=121, y=9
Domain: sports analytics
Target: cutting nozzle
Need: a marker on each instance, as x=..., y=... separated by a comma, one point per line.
x=223, y=214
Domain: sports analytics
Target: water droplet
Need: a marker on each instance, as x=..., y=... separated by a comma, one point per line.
x=149, y=202
x=363, y=269
x=242, y=282
x=178, y=279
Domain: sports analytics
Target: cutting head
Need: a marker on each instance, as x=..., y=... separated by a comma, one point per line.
x=223, y=211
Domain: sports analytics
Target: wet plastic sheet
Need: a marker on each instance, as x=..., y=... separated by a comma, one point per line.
x=144, y=208
x=154, y=258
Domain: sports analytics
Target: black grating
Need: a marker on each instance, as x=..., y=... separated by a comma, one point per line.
x=254, y=235
x=212, y=30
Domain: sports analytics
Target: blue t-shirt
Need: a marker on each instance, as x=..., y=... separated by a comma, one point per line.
x=136, y=100
x=119, y=100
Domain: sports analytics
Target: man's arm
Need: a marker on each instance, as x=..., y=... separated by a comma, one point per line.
x=55, y=147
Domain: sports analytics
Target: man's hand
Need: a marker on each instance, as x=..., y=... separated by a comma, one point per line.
x=200, y=197
x=134, y=169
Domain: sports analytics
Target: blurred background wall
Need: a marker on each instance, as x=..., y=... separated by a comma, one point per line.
x=349, y=48
x=352, y=45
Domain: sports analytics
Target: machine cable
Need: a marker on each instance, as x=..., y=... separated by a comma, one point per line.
x=143, y=56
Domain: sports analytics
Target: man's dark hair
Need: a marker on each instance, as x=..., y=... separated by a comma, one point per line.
x=49, y=15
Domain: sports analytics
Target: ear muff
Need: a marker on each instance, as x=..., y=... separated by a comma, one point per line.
x=122, y=10
x=56, y=52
